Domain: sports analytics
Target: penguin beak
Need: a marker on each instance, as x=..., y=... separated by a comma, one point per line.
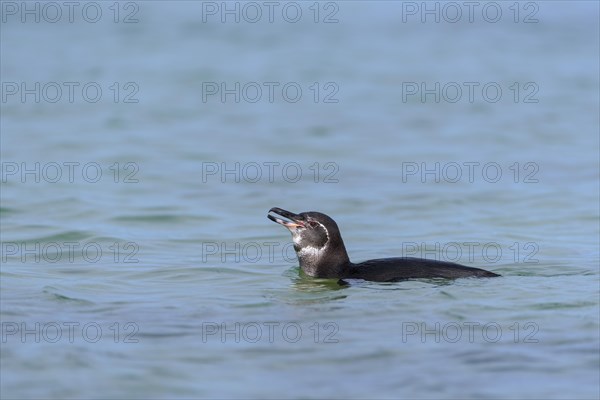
x=295, y=220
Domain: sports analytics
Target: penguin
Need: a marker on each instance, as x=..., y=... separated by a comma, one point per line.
x=322, y=254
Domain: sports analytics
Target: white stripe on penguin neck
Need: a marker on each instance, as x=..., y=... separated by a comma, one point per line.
x=310, y=250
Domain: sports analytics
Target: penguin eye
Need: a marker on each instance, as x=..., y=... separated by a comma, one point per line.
x=312, y=224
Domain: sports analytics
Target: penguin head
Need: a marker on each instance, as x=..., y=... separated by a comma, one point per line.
x=317, y=241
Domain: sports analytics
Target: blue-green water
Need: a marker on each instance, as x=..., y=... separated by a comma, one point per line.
x=139, y=160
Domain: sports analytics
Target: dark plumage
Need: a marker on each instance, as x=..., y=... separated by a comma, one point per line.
x=322, y=254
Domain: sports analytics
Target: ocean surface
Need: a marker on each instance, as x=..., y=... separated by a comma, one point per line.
x=142, y=144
